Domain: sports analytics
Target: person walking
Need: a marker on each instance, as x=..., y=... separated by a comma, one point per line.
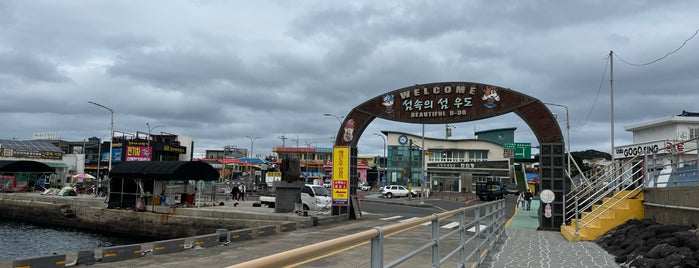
x=242, y=190
x=235, y=192
x=520, y=200
x=528, y=197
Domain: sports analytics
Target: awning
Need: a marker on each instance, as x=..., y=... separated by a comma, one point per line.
x=165, y=170
x=7, y=166
x=56, y=164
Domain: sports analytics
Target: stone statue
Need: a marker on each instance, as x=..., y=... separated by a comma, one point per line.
x=291, y=170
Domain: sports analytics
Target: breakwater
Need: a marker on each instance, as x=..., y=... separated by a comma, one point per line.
x=160, y=222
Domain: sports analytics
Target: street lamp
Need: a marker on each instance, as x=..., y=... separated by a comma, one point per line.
x=567, y=132
x=384, y=156
x=111, y=130
x=252, y=144
x=339, y=118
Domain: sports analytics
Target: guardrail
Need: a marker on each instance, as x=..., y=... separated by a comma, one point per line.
x=480, y=228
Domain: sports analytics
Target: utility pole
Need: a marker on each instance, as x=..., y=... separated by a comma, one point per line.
x=611, y=93
x=283, y=138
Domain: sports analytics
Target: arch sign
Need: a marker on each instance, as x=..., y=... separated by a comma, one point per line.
x=455, y=102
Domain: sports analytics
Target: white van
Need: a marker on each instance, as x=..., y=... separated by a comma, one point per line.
x=315, y=197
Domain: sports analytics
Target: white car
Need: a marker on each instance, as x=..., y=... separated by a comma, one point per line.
x=364, y=187
x=389, y=191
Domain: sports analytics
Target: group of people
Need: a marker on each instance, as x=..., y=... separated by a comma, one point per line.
x=237, y=191
x=525, y=198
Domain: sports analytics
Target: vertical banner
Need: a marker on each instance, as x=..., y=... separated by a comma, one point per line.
x=340, y=182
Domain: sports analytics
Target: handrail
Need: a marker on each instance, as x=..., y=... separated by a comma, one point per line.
x=597, y=188
x=493, y=220
x=633, y=174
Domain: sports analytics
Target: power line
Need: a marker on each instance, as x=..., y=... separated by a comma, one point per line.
x=599, y=89
x=604, y=72
x=661, y=58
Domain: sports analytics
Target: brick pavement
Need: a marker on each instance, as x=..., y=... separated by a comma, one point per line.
x=527, y=247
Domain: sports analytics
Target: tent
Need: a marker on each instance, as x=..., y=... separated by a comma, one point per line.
x=130, y=180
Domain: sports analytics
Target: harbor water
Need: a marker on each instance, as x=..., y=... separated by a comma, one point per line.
x=22, y=240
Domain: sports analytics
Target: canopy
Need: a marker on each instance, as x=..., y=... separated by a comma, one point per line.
x=9, y=166
x=165, y=170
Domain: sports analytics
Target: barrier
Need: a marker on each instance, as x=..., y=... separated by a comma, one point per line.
x=86, y=257
x=168, y=246
x=266, y=230
x=120, y=253
x=305, y=224
x=206, y=241
x=241, y=235
x=42, y=261
x=288, y=227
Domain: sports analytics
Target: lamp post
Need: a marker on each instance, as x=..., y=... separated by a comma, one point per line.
x=339, y=118
x=111, y=130
x=567, y=133
x=252, y=144
x=384, y=156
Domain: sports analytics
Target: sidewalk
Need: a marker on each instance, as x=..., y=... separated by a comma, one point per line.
x=527, y=247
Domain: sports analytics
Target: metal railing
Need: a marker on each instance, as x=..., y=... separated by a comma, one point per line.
x=676, y=168
x=480, y=227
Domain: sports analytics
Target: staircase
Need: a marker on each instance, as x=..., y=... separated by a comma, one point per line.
x=606, y=200
x=612, y=212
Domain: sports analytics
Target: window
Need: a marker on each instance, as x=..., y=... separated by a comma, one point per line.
x=693, y=133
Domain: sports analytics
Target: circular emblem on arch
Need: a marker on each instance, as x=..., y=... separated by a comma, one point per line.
x=402, y=139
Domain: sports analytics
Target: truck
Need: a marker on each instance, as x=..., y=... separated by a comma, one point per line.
x=313, y=197
x=490, y=190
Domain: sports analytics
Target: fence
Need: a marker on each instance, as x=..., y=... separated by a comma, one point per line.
x=480, y=229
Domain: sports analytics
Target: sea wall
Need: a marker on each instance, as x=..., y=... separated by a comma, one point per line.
x=672, y=205
x=160, y=222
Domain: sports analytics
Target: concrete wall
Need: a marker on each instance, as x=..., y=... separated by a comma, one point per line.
x=166, y=223
x=671, y=198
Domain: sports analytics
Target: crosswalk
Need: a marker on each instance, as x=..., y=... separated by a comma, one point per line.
x=444, y=224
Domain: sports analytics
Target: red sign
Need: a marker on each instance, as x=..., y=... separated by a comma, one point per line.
x=138, y=153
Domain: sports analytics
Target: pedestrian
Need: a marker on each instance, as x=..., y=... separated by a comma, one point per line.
x=242, y=191
x=528, y=197
x=520, y=200
x=235, y=192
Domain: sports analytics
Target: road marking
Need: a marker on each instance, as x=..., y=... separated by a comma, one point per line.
x=450, y=225
x=411, y=219
x=473, y=229
x=391, y=218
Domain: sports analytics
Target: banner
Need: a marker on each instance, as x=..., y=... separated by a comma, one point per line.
x=340, y=181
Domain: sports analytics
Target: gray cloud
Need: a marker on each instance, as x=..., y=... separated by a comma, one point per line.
x=220, y=71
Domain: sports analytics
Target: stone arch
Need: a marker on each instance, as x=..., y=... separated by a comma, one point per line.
x=456, y=102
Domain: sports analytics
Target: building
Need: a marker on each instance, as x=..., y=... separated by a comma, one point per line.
x=40, y=151
x=657, y=136
x=449, y=164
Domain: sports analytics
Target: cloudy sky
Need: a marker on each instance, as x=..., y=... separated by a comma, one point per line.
x=224, y=72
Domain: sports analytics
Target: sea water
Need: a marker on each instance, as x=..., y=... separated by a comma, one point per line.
x=22, y=240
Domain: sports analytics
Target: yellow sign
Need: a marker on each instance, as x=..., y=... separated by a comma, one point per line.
x=429, y=153
x=341, y=173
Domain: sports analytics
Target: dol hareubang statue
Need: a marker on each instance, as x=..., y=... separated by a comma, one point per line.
x=291, y=170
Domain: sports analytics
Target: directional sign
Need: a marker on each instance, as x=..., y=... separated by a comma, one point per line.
x=522, y=150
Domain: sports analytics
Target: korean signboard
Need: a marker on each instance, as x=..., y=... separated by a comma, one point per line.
x=341, y=173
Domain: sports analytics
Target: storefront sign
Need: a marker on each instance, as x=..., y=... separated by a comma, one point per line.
x=138, y=153
x=638, y=149
x=340, y=181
